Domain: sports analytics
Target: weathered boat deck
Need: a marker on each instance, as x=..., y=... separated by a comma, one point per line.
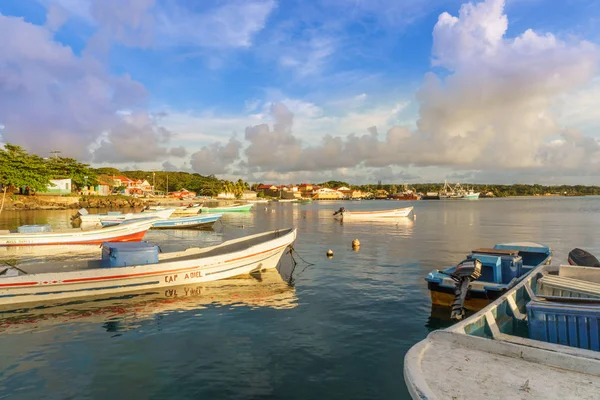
x=447, y=367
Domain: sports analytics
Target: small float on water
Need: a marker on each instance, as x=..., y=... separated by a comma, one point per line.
x=38, y=235
x=501, y=268
x=135, y=266
x=539, y=340
x=343, y=214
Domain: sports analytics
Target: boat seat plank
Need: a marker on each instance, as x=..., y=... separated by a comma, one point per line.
x=567, y=287
x=496, y=251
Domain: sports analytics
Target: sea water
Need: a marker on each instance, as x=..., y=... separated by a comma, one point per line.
x=338, y=329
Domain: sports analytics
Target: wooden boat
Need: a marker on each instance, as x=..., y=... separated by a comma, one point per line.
x=372, y=215
x=235, y=208
x=502, y=267
x=531, y=343
x=62, y=280
x=193, y=221
x=116, y=217
x=128, y=231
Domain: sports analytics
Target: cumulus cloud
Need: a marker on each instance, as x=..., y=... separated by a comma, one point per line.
x=216, y=158
x=135, y=137
x=490, y=108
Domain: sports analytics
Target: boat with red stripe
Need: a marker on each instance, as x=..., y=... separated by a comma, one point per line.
x=63, y=280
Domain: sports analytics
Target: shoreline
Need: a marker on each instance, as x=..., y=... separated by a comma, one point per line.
x=51, y=202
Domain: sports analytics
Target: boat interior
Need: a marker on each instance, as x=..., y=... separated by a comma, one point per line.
x=228, y=247
x=555, y=304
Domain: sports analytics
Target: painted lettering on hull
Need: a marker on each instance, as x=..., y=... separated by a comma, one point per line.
x=170, y=278
x=193, y=275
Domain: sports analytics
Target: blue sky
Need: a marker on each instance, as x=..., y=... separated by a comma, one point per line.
x=277, y=91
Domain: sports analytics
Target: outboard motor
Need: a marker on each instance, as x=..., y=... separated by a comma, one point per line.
x=582, y=258
x=340, y=211
x=465, y=272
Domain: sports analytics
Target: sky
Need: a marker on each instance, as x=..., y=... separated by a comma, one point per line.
x=398, y=91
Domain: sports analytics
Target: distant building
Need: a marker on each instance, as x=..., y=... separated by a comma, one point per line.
x=327, y=194
x=226, y=196
x=249, y=195
x=60, y=186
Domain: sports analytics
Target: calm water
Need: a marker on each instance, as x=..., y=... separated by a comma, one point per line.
x=340, y=332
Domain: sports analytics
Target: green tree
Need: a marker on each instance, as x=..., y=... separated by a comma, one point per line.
x=64, y=168
x=20, y=169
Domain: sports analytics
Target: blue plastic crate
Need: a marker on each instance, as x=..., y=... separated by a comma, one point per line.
x=128, y=254
x=34, y=228
x=570, y=324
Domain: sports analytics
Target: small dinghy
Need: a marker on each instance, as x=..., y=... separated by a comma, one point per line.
x=116, y=217
x=500, y=268
x=539, y=340
x=135, y=266
x=195, y=221
x=236, y=208
x=343, y=214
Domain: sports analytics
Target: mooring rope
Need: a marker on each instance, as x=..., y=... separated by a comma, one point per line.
x=308, y=264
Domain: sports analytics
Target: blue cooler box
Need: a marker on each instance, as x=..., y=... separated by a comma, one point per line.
x=573, y=324
x=126, y=254
x=34, y=228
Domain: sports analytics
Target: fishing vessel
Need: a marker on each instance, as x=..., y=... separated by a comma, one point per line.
x=234, y=208
x=540, y=340
x=116, y=217
x=135, y=266
x=194, y=221
x=502, y=267
x=43, y=235
x=406, y=194
x=343, y=214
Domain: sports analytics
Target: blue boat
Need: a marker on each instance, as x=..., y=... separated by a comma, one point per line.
x=540, y=340
x=195, y=221
x=503, y=266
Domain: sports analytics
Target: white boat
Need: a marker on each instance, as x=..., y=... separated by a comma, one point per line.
x=372, y=215
x=62, y=280
x=116, y=217
x=259, y=201
x=540, y=340
x=192, y=209
x=128, y=231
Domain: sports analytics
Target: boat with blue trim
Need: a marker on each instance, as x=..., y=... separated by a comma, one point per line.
x=502, y=267
x=195, y=221
x=126, y=267
x=539, y=340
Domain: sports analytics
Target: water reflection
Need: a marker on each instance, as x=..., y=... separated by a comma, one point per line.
x=137, y=309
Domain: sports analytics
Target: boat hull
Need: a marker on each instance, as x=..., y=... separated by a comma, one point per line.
x=441, y=296
x=91, y=219
x=102, y=281
x=374, y=215
x=187, y=222
x=131, y=232
x=241, y=208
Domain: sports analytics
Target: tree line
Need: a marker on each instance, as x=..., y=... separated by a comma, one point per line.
x=491, y=189
x=19, y=169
